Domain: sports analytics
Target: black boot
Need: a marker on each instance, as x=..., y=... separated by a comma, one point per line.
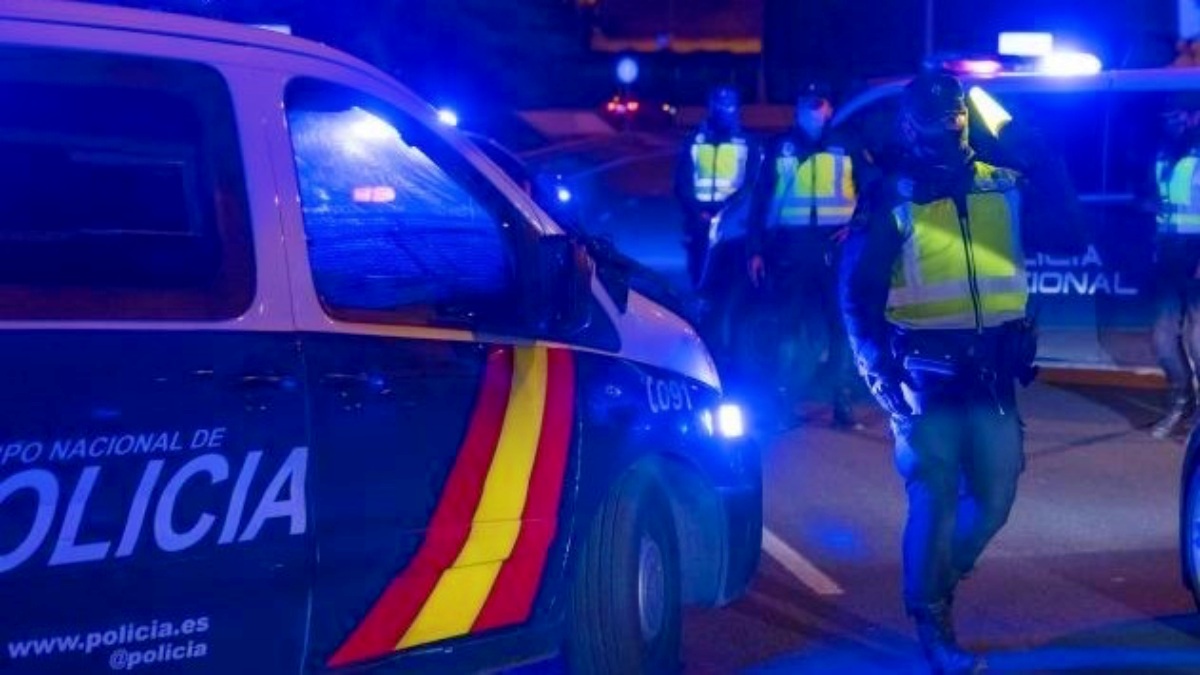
x=1180, y=408
x=935, y=630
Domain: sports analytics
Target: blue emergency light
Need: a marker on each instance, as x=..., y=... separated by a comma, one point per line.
x=627, y=70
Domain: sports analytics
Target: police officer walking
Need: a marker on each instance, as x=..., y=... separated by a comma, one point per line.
x=1177, y=263
x=934, y=296
x=801, y=206
x=718, y=164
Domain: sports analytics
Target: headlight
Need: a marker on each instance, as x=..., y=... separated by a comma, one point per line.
x=731, y=421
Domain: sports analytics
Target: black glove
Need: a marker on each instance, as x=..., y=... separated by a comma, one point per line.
x=887, y=392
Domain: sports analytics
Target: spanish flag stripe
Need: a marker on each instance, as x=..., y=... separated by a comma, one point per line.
x=460, y=594
x=392, y=614
x=511, y=602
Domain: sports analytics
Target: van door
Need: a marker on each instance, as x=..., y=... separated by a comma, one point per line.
x=439, y=453
x=1071, y=296
x=152, y=476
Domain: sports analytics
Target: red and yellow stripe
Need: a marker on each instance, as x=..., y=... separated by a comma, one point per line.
x=482, y=559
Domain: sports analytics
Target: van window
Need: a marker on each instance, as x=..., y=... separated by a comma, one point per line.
x=399, y=229
x=121, y=190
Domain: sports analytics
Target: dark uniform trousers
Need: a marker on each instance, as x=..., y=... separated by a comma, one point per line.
x=960, y=458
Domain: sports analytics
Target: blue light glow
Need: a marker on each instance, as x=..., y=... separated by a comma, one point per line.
x=448, y=117
x=1026, y=44
x=563, y=194
x=367, y=127
x=731, y=422
x=1068, y=64
x=627, y=70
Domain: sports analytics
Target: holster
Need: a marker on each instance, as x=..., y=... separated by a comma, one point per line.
x=951, y=367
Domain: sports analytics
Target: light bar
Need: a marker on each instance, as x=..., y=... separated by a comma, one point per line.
x=1026, y=44
x=1068, y=64
x=978, y=66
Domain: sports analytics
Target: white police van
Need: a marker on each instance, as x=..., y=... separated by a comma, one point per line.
x=295, y=380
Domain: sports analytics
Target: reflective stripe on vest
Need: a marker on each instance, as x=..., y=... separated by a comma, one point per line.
x=719, y=170
x=1177, y=190
x=948, y=278
x=817, y=191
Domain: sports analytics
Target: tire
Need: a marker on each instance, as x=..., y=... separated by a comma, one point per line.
x=1190, y=524
x=626, y=611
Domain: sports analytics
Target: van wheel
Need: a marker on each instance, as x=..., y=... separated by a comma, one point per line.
x=1190, y=522
x=626, y=613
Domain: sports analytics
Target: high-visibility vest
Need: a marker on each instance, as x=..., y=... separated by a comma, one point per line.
x=816, y=192
x=1179, y=194
x=718, y=169
x=961, y=270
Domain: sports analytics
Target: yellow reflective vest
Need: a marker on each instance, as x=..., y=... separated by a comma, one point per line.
x=961, y=270
x=1179, y=194
x=818, y=191
x=718, y=169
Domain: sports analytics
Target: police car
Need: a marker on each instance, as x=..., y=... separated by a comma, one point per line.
x=296, y=380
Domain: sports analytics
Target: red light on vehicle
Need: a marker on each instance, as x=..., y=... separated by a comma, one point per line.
x=374, y=194
x=633, y=106
x=612, y=106
x=975, y=66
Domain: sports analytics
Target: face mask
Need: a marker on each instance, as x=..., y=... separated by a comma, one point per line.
x=723, y=119
x=811, y=121
x=943, y=141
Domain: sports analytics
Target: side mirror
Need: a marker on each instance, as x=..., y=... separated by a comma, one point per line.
x=613, y=269
x=561, y=286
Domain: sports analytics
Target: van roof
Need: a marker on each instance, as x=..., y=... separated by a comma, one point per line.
x=167, y=24
x=1147, y=79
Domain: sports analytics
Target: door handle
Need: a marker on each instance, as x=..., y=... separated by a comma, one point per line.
x=347, y=382
x=266, y=381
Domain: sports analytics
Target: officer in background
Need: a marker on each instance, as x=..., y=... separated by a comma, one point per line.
x=934, y=296
x=718, y=165
x=801, y=207
x=1177, y=261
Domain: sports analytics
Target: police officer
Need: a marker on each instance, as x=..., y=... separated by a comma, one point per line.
x=934, y=297
x=800, y=210
x=1177, y=261
x=718, y=165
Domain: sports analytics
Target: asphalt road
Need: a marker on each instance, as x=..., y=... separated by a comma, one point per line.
x=1084, y=578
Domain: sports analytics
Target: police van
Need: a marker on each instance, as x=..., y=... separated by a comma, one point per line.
x=296, y=380
x=1095, y=310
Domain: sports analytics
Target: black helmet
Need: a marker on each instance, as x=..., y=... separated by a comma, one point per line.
x=933, y=119
x=933, y=97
